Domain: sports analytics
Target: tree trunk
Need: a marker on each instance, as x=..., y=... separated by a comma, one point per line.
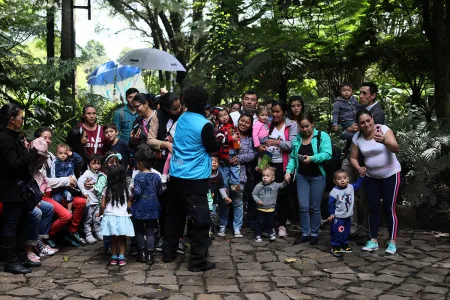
x=50, y=40
x=67, y=89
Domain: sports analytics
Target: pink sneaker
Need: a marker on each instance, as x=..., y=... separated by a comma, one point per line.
x=33, y=257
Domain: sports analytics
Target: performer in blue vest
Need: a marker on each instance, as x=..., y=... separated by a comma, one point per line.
x=190, y=168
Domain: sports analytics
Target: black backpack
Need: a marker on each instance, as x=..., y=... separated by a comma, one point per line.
x=331, y=165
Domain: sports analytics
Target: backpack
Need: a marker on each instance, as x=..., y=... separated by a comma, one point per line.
x=331, y=165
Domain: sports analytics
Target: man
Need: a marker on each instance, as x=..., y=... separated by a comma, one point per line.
x=249, y=104
x=190, y=168
x=360, y=225
x=125, y=116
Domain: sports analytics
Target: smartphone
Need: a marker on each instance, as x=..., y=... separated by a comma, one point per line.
x=378, y=129
x=135, y=128
x=301, y=158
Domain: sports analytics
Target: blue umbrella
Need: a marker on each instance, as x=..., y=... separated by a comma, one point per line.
x=109, y=77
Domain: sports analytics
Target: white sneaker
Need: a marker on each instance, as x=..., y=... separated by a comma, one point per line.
x=221, y=231
x=272, y=237
x=91, y=240
x=46, y=251
x=282, y=232
x=258, y=239
x=163, y=179
x=98, y=236
x=237, y=233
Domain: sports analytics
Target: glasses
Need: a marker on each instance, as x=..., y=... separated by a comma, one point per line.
x=137, y=106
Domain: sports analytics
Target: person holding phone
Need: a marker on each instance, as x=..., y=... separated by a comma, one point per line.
x=142, y=125
x=383, y=175
x=309, y=151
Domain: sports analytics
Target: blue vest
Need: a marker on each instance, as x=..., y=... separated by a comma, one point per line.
x=189, y=158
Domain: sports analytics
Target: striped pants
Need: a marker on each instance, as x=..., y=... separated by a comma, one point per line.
x=386, y=189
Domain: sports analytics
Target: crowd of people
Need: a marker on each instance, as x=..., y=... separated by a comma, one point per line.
x=176, y=162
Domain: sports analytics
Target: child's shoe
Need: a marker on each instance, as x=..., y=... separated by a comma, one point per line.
x=158, y=246
x=272, y=237
x=180, y=249
x=258, y=239
x=392, y=248
x=221, y=231
x=336, y=251
x=98, y=236
x=370, y=246
x=90, y=239
x=113, y=261
x=282, y=232
x=237, y=233
x=149, y=258
x=47, y=251
x=122, y=261
x=346, y=249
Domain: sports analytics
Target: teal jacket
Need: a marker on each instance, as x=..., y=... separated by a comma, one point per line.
x=320, y=156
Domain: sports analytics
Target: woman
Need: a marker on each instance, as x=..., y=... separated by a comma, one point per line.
x=63, y=216
x=245, y=155
x=307, y=157
x=159, y=137
x=377, y=144
x=77, y=140
x=14, y=163
x=160, y=140
x=296, y=107
x=141, y=126
x=282, y=132
x=95, y=135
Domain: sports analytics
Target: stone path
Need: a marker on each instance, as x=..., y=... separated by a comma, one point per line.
x=247, y=270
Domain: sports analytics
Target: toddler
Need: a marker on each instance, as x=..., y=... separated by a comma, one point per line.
x=64, y=166
x=92, y=205
x=344, y=113
x=170, y=136
x=216, y=187
x=116, y=222
x=340, y=208
x=265, y=195
x=146, y=208
x=229, y=141
x=260, y=135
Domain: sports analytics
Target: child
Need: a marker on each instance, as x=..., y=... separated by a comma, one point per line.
x=340, y=207
x=170, y=136
x=117, y=145
x=265, y=195
x=94, y=165
x=64, y=166
x=228, y=138
x=116, y=222
x=146, y=208
x=260, y=135
x=344, y=113
x=216, y=186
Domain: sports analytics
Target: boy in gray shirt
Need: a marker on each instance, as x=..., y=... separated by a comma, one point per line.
x=265, y=195
x=340, y=207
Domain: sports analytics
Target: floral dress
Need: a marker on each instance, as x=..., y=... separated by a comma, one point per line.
x=147, y=187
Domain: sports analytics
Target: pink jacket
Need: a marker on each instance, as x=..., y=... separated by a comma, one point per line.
x=260, y=132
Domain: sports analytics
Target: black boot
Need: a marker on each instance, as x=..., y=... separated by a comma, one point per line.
x=16, y=268
x=141, y=256
x=150, y=258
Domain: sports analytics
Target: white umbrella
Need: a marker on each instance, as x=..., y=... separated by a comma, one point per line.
x=152, y=59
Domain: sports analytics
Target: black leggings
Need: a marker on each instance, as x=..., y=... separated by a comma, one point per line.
x=147, y=228
x=282, y=210
x=386, y=189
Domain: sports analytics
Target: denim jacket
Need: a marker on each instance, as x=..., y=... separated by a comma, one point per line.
x=344, y=110
x=320, y=156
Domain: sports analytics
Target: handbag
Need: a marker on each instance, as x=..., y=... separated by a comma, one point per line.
x=31, y=194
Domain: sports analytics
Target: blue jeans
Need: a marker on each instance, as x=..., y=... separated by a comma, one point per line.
x=39, y=222
x=230, y=174
x=58, y=196
x=310, y=191
x=238, y=210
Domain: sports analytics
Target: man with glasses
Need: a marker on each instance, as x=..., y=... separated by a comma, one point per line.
x=125, y=116
x=360, y=226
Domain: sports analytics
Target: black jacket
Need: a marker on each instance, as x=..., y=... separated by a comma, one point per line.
x=15, y=161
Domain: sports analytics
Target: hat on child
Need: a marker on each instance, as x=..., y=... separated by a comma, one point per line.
x=40, y=145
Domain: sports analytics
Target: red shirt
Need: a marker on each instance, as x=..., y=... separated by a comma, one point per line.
x=91, y=136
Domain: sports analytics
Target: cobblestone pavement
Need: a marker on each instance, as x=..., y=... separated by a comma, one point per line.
x=247, y=270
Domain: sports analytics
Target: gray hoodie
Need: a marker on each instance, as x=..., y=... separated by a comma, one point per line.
x=267, y=194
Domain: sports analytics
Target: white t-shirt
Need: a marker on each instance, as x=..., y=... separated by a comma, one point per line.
x=118, y=210
x=276, y=134
x=235, y=115
x=380, y=161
